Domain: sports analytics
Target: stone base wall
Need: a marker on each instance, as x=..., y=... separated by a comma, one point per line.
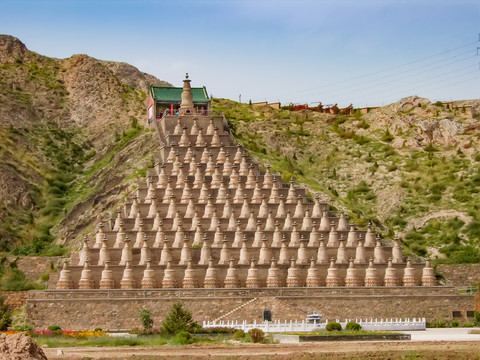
x=15, y=299
x=460, y=274
x=116, y=309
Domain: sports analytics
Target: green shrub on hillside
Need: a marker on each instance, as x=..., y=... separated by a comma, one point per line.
x=387, y=136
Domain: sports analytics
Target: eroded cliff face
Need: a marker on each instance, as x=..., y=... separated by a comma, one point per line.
x=66, y=127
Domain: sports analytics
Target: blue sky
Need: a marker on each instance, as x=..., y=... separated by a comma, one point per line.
x=370, y=52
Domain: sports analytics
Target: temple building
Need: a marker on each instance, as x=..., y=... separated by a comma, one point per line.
x=164, y=100
x=213, y=228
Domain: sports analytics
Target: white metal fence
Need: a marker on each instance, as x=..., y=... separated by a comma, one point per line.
x=303, y=326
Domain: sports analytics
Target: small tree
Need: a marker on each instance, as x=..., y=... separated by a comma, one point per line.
x=146, y=319
x=5, y=315
x=179, y=319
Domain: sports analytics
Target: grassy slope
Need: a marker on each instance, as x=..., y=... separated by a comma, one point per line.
x=356, y=166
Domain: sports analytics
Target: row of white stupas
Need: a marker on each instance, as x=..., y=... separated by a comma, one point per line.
x=251, y=276
x=209, y=217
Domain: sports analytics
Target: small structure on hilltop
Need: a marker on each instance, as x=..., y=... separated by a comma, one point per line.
x=275, y=105
x=164, y=100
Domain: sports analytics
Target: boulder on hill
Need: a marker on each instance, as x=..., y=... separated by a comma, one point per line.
x=20, y=347
x=410, y=102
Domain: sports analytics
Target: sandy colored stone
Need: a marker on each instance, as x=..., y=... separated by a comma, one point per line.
x=20, y=347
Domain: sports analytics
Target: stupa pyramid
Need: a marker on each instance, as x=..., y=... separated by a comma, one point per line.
x=209, y=217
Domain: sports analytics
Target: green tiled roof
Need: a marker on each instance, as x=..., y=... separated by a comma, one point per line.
x=174, y=94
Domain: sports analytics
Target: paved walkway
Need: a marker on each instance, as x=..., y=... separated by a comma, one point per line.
x=448, y=334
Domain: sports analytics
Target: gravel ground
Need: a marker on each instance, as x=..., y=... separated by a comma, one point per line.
x=437, y=349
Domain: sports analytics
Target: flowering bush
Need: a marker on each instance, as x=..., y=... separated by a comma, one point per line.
x=10, y=332
x=71, y=333
x=44, y=332
x=84, y=333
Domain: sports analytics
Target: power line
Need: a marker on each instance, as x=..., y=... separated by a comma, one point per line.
x=466, y=76
x=380, y=71
x=403, y=79
x=391, y=88
x=353, y=87
x=406, y=74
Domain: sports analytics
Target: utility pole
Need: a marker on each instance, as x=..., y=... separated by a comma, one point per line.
x=240, y=98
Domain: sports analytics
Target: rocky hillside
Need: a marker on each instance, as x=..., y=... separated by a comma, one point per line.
x=411, y=167
x=71, y=140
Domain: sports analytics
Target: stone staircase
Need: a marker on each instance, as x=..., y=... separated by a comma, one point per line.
x=224, y=316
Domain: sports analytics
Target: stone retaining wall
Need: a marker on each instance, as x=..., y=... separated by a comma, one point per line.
x=15, y=299
x=34, y=266
x=72, y=310
x=460, y=274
